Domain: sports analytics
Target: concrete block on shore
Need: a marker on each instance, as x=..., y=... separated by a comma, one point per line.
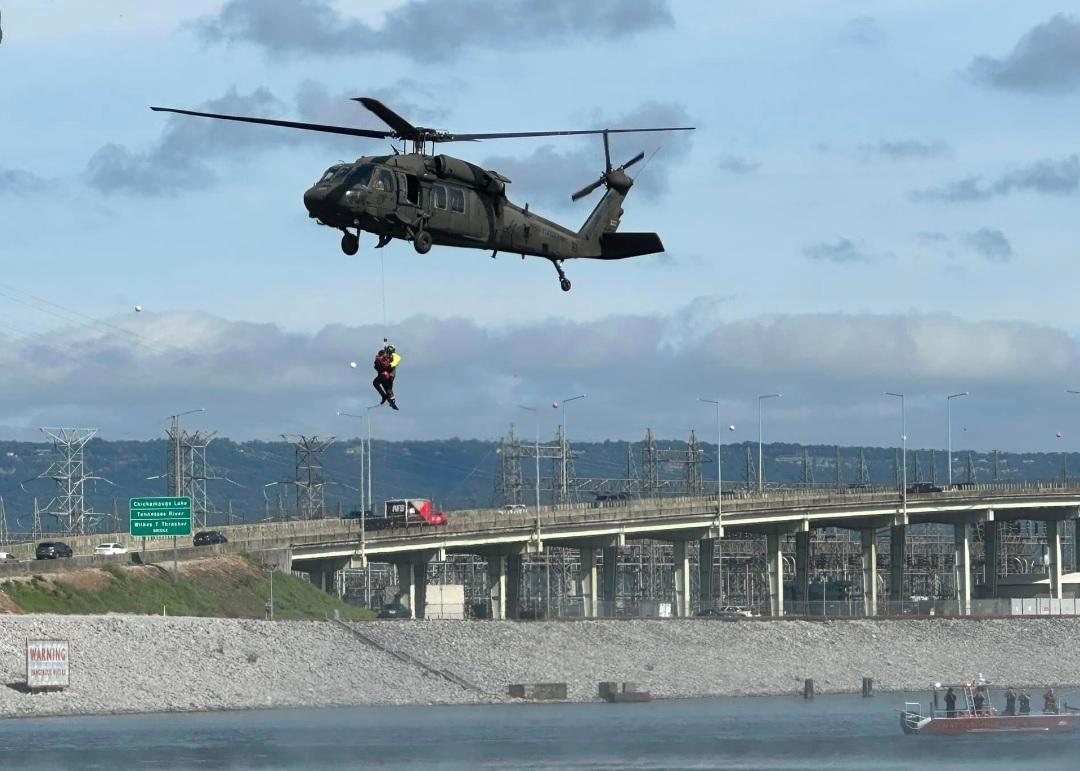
x=538, y=691
x=628, y=692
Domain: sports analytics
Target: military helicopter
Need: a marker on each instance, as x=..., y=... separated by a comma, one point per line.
x=429, y=199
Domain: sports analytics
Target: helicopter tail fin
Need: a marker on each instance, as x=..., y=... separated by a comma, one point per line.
x=619, y=246
x=605, y=217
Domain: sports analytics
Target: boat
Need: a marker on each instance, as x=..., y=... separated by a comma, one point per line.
x=977, y=712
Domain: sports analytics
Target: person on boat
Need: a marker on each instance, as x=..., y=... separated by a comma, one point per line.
x=950, y=703
x=1049, y=702
x=1025, y=703
x=978, y=700
x=1010, y=701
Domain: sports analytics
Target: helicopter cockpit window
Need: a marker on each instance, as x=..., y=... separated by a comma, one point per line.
x=457, y=199
x=438, y=196
x=360, y=176
x=334, y=174
x=383, y=180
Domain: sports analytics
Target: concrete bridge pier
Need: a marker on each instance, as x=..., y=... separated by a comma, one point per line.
x=681, y=563
x=897, y=561
x=513, y=586
x=992, y=545
x=406, y=591
x=869, y=570
x=609, y=580
x=496, y=571
x=587, y=581
x=962, y=550
x=706, y=571
x=802, y=568
x=1053, y=542
x=774, y=572
x=322, y=574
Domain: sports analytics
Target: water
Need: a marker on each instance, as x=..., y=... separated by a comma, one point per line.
x=838, y=732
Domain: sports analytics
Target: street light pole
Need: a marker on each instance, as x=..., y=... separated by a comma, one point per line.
x=948, y=411
x=566, y=445
x=719, y=491
x=760, y=423
x=903, y=451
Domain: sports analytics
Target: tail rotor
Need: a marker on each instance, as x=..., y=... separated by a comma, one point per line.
x=610, y=176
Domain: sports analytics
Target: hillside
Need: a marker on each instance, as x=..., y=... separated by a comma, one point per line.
x=253, y=476
x=226, y=587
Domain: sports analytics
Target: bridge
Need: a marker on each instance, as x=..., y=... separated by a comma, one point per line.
x=322, y=547
x=504, y=537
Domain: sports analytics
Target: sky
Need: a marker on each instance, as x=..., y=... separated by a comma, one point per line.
x=878, y=196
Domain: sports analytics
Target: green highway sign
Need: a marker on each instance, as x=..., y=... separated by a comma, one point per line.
x=159, y=516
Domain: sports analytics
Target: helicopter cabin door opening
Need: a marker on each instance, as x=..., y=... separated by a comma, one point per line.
x=409, y=189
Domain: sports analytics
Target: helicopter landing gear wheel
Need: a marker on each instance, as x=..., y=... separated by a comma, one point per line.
x=422, y=242
x=350, y=244
x=564, y=282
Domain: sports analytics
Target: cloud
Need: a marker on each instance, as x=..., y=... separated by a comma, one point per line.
x=906, y=149
x=20, y=182
x=177, y=161
x=931, y=237
x=990, y=244
x=842, y=250
x=427, y=30
x=1045, y=60
x=550, y=173
x=734, y=164
x=258, y=380
x=1048, y=177
x=863, y=30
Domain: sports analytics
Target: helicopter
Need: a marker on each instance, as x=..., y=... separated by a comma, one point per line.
x=435, y=199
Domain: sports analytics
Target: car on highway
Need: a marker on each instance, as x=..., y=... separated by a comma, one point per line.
x=209, y=538
x=50, y=550
x=924, y=487
x=394, y=610
x=728, y=611
x=109, y=548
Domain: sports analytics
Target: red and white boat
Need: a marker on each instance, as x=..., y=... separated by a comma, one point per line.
x=976, y=712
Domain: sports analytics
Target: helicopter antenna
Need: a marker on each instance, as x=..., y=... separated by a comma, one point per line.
x=645, y=165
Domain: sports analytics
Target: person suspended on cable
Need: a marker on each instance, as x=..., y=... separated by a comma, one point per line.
x=386, y=363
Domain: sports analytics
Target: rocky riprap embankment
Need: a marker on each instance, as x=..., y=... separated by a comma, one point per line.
x=123, y=663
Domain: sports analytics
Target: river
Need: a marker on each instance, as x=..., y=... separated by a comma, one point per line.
x=835, y=732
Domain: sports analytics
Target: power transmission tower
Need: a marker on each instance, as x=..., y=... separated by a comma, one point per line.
x=994, y=468
x=3, y=522
x=509, y=483
x=694, y=454
x=70, y=475
x=864, y=470
x=751, y=472
x=187, y=470
x=839, y=470
x=807, y=468
x=970, y=469
x=650, y=467
x=310, y=487
x=918, y=477
x=933, y=467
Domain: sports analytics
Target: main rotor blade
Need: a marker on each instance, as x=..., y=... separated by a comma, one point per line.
x=633, y=160
x=524, y=134
x=354, y=132
x=586, y=190
x=401, y=127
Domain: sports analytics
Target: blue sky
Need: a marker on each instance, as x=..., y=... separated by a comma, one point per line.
x=879, y=196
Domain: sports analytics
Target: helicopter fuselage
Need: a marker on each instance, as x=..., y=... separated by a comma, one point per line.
x=457, y=203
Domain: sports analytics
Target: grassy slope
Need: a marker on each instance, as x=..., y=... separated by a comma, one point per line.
x=232, y=587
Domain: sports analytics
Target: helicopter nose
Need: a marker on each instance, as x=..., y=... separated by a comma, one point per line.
x=313, y=201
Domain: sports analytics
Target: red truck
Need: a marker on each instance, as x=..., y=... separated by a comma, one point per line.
x=407, y=512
